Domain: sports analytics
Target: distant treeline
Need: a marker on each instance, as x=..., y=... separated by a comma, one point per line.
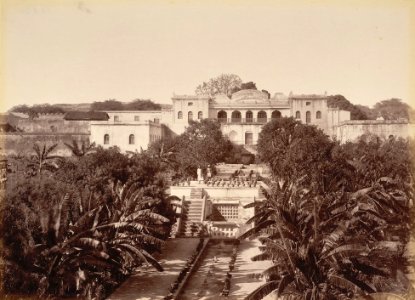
x=35, y=110
x=391, y=109
x=138, y=104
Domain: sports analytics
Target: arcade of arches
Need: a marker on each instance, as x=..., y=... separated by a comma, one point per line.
x=237, y=117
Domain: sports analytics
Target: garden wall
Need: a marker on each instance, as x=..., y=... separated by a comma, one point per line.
x=50, y=125
x=351, y=130
x=22, y=143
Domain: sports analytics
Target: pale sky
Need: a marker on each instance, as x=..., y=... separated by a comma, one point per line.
x=75, y=52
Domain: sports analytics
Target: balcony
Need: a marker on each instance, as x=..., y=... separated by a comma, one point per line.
x=243, y=120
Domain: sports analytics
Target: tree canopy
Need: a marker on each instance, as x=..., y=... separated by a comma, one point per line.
x=222, y=84
x=328, y=221
x=341, y=102
x=201, y=144
x=293, y=149
x=393, y=109
x=137, y=104
x=81, y=228
x=35, y=110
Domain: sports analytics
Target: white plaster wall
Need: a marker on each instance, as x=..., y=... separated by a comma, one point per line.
x=317, y=104
x=129, y=116
x=198, y=104
x=240, y=130
x=119, y=135
x=351, y=130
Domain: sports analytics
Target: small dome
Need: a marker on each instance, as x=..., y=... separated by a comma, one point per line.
x=249, y=95
x=221, y=98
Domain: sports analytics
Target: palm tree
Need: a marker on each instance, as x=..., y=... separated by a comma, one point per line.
x=84, y=256
x=42, y=160
x=335, y=246
x=82, y=149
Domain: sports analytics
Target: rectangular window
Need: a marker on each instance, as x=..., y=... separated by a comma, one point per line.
x=116, y=118
x=136, y=118
x=308, y=103
x=228, y=211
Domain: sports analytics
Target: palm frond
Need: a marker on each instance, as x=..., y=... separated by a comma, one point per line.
x=343, y=283
x=256, y=229
x=262, y=256
x=264, y=290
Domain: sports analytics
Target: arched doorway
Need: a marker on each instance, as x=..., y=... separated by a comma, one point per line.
x=308, y=117
x=249, y=138
x=236, y=116
x=249, y=116
x=276, y=114
x=222, y=116
x=262, y=117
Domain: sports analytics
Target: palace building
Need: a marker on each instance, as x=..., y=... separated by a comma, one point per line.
x=241, y=116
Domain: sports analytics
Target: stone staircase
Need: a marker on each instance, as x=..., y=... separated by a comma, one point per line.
x=192, y=215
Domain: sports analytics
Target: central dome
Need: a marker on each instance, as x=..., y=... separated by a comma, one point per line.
x=244, y=95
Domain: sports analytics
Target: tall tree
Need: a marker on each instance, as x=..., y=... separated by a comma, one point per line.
x=341, y=102
x=393, y=109
x=42, y=159
x=223, y=84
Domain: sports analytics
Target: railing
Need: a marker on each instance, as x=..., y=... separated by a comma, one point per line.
x=179, y=219
x=202, y=215
x=243, y=120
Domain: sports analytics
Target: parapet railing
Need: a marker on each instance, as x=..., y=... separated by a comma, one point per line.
x=243, y=120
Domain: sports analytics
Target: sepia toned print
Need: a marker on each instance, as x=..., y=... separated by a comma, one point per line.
x=207, y=150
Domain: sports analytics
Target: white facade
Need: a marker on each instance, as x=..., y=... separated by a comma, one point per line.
x=128, y=130
x=241, y=116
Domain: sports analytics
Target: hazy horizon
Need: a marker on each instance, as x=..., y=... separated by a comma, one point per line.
x=85, y=51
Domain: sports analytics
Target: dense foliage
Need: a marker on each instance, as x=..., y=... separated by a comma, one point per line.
x=393, y=109
x=81, y=228
x=137, y=104
x=201, y=144
x=222, y=84
x=35, y=110
x=329, y=221
x=341, y=102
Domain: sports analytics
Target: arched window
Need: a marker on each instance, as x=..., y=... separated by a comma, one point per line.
x=106, y=139
x=222, y=116
x=236, y=116
x=262, y=116
x=190, y=116
x=276, y=114
x=200, y=115
x=131, y=139
x=308, y=117
x=318, y=114
x=180, y=115
x=249, y=116
x=297, y=115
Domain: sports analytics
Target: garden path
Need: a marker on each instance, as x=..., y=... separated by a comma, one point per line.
x=151, y=284
x=243, y=282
